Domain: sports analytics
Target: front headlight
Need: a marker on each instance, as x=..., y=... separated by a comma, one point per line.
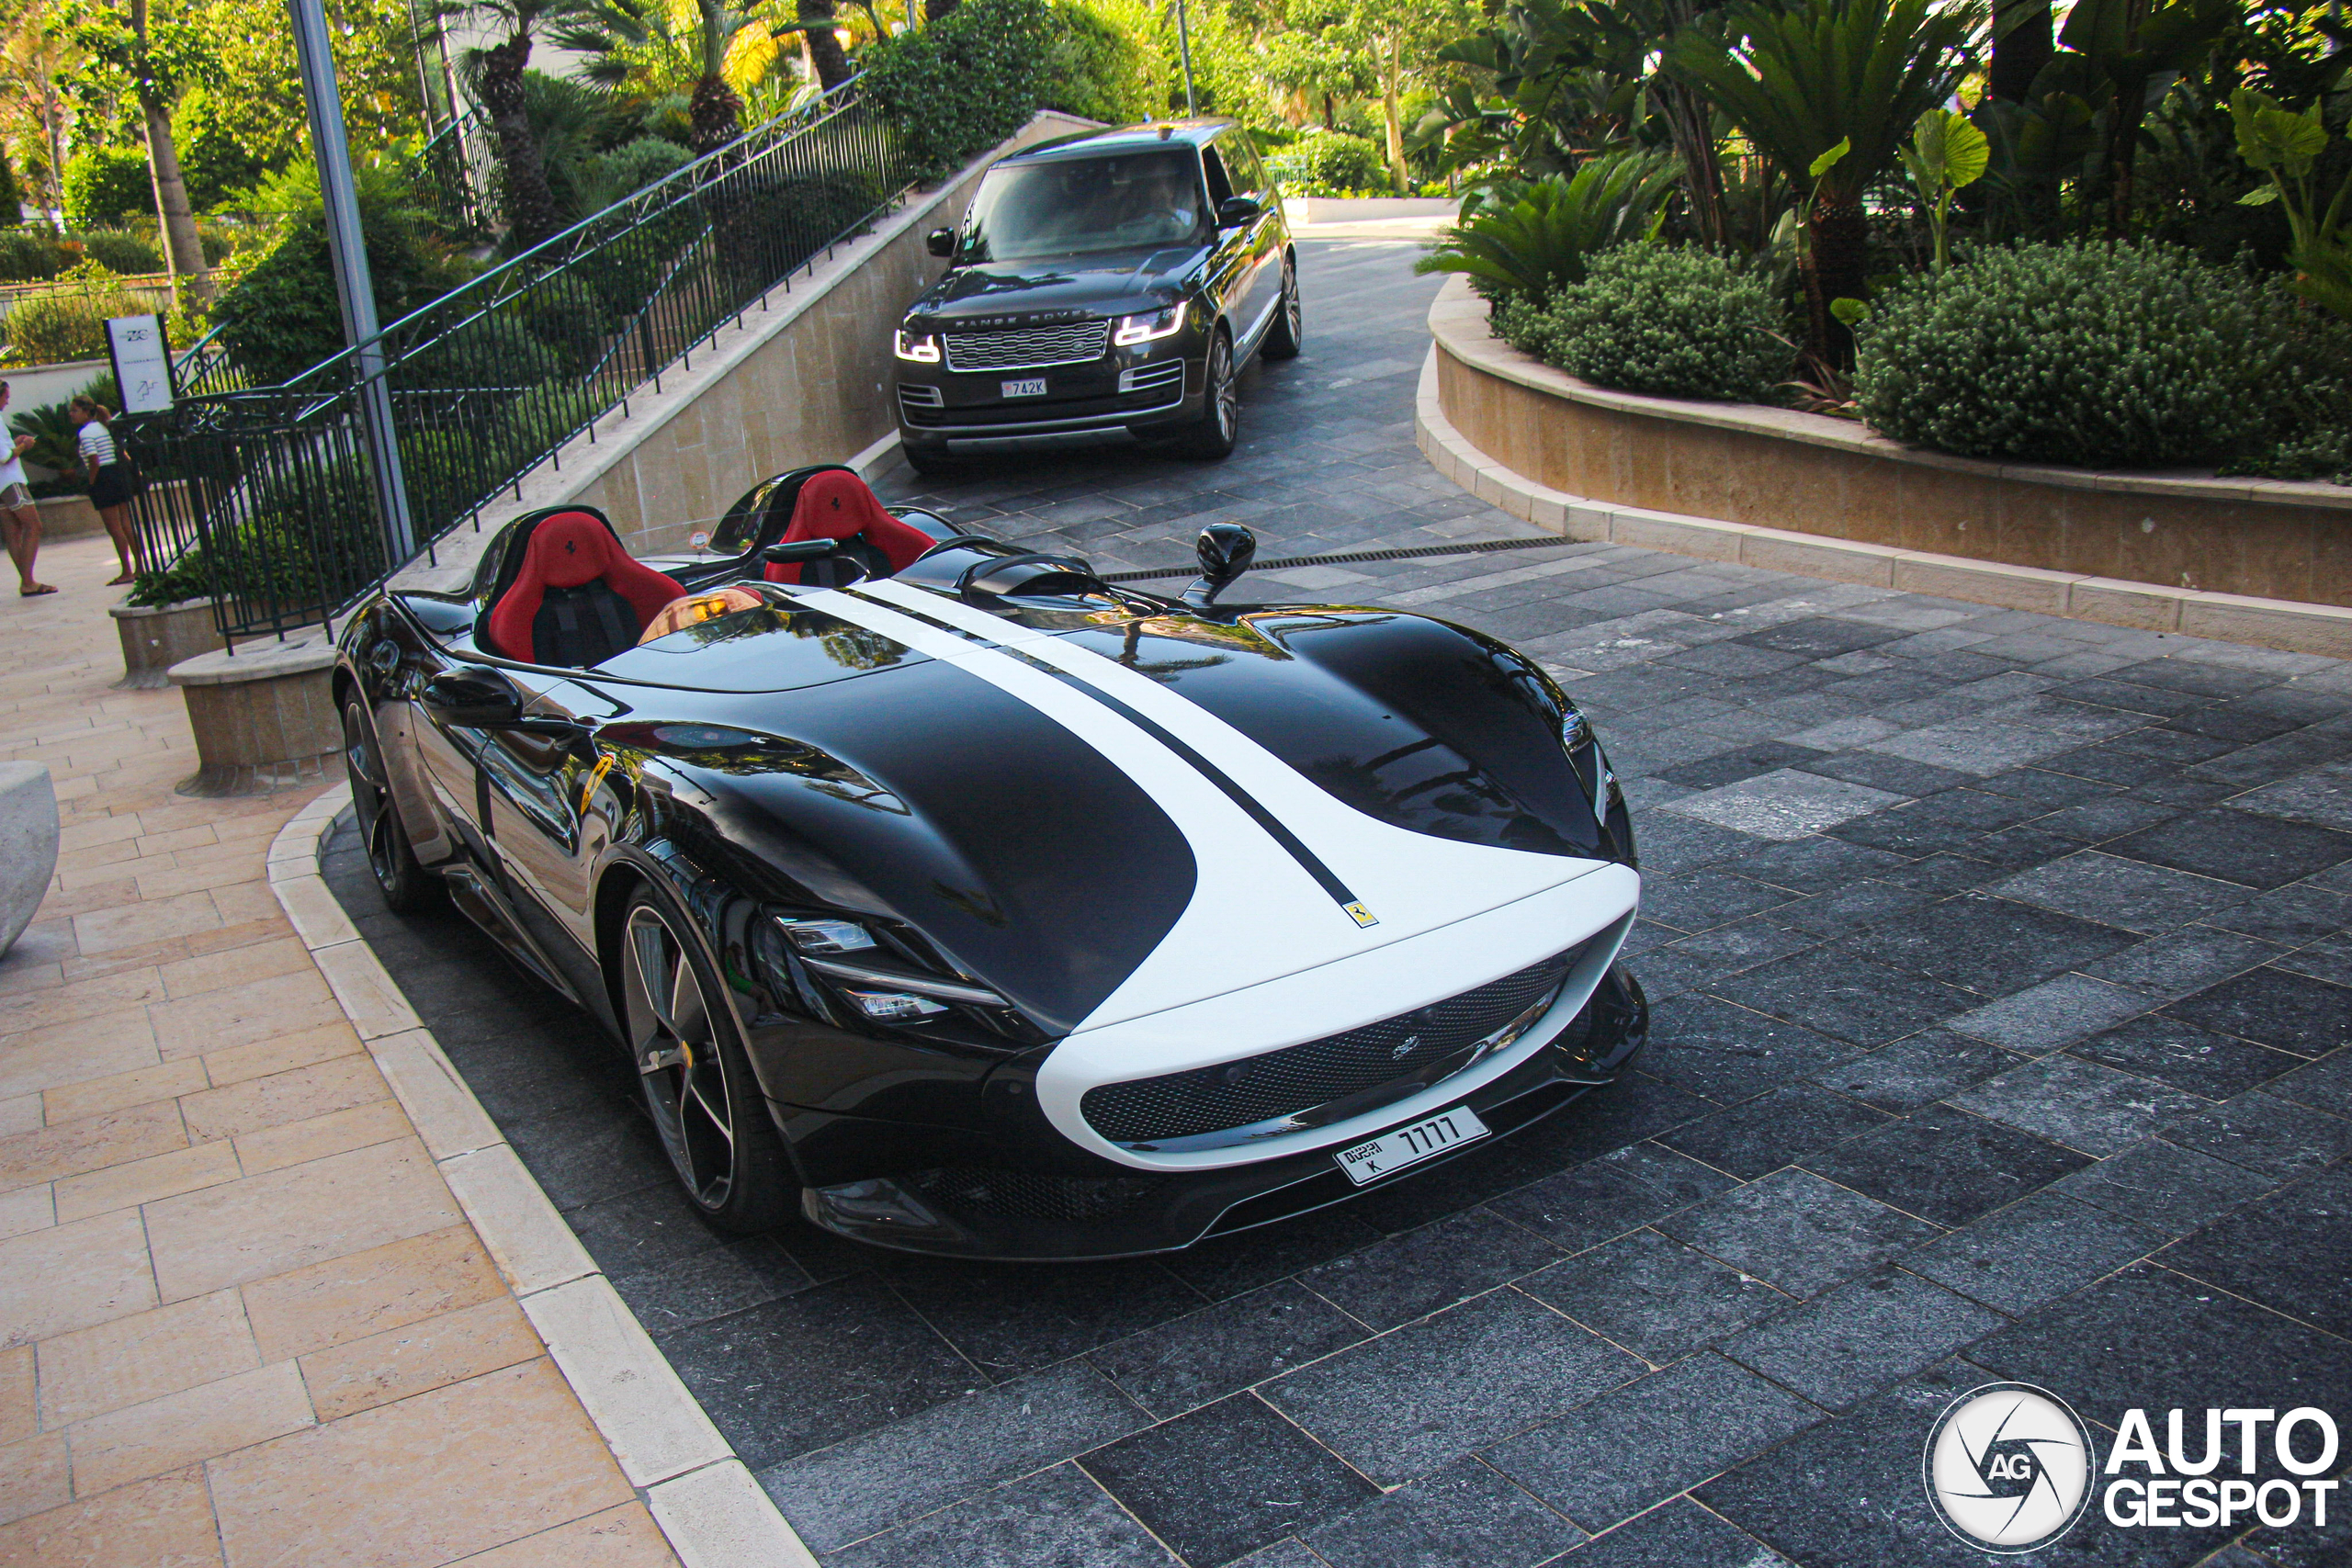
x=921, y=347
x=1144, y=329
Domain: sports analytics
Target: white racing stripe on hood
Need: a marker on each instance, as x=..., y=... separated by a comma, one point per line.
x=1411, y=881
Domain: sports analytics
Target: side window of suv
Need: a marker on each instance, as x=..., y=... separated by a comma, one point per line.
x=1244, y=161
x=1220, y=185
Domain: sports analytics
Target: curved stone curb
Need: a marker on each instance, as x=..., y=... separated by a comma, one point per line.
x=713, y=1513
x=2227, y=617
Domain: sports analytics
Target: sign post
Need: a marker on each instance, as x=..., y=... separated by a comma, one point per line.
x=141, y=356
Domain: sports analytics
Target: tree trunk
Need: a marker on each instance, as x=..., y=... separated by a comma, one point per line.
x=1838, y=268
x=714, y=115
x=1331, y=114
x=824, y=49
x=934, y=9
x=2024, y=39
x=1391, y=113
x=531, y=211
x=183, y=249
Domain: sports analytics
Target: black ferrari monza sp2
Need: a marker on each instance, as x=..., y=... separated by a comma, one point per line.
x=989, y=908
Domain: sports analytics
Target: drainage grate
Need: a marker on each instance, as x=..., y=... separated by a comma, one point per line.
x=1476, y=548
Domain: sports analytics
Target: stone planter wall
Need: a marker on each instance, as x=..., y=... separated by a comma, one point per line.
x=264, y=718
x=1811, y=474
x=155, y=640
x=68, y=517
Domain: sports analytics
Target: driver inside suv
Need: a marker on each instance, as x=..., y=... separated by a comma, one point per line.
x=1073, y=206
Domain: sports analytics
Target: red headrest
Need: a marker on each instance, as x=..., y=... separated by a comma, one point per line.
x=566, y=550
x=836, y=504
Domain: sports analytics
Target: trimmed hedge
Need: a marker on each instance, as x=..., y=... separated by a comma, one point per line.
x=105, y=185
x=965, y=83
x=1669, y=321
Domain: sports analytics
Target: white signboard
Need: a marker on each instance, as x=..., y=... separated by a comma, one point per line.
x=142, y=363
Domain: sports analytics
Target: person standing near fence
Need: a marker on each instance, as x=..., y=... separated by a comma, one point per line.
x=19, y=518
x=109, y=482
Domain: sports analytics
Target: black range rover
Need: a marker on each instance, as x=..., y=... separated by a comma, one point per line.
x=1104, y=287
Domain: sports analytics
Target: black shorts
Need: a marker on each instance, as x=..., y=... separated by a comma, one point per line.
x=111, y=488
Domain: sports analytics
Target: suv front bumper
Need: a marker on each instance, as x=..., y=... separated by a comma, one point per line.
x=1127, y=395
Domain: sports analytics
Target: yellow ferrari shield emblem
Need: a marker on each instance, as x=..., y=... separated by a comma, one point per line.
x=1361, y=915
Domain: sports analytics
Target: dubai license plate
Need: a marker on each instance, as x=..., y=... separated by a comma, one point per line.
x=1410, y=1146
x=1034, y=389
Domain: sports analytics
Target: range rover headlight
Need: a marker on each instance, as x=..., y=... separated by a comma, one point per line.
x=1147, y=328
x=922, y=348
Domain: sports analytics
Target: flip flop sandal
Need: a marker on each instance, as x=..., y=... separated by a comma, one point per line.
x=35, y=592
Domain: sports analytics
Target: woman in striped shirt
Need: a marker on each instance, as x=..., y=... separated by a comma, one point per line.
x=109, y=481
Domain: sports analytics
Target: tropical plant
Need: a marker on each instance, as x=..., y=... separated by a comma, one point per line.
x=1530, y=241
x=1673, y=321
x=646, y=49
x=496, y=72
x=2098, y=353
x=1945, y=155
x=2286, y=147
x=1799, y=81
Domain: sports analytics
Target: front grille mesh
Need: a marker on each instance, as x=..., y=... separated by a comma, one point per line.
x=1028, y=348
x=1299, y=1077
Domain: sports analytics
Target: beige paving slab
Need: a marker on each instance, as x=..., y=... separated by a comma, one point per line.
x=88, y=1142
x=99, y=1046
x=116, y=1091
x=346, y=1379
x=319, y=1136
x=141, y=1181
x=19, y=1414
x=623, y=1535
x=152, y=920
x=266, y=1225
x=370, y=1292
x=69, y=1277
x=147, y=1439
x=163, y=1523
x=20, y=1113
x=235, y=1064
x=242, y=1014
x=423, y=1481
x=236, y=966
x=297, y=1095
x=27, y=1209
x=36, y=1475
x=145, y=1356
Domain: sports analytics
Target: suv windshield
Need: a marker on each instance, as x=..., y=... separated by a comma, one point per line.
x=1071, y=206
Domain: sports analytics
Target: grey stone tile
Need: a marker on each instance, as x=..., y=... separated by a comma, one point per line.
x=1423, y=1270
x=2322, y=796
x=1701, y=900
x=2271, y=1007
x=1465, y=1516
x=2166, y=1187
x=1057, y=1519
x=2211, y=1067
x=1796, y=1231
x=2297, y=913
x=1991, y=946
x=2118, y=892
x=1607, y=1197
x=1011, y=1318
x=2108, y=817
x=2237, y=846
x=1784, y=804
x=1842, y=1346
x=1287, y=1552
x=1838, y=992
x=949, y=1452
x=2325, y=1085
x=1179, y=1479
x=1914, y=1072
x=711, y=1283
x=1945, y=1164
x=1638, y=1445
x=1843, y=910
x=2265, y=1134
x=2292, y=1253
x=1813, y=865
x=1679, y=1534
x=2054, y=1013
x=2077, y=1103
x=1772, y=1130
x=1231, y=1265
x=1728, y=1053
x=2034, y=1252
x=2180, y=962
x=1226, y=1347
x=1423, y=1395
x=1727, y=949
x=1655, y=1297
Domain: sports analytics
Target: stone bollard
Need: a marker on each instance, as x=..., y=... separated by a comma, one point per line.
x=28, y=845
x=264, y=717
x=154, y=640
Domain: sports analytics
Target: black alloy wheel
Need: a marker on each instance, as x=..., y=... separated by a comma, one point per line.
x=408, y=889
x=1221, y=404
x=706, y=1107
x=1288, y=335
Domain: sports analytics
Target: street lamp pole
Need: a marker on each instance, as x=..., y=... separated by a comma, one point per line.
x=347, y=245
x=1184, y=49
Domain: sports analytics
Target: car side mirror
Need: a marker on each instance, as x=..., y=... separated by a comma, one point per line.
x=1238, y=211
x=801, y=549
x=472, y=699
x=1226, y=551
x=941, y=243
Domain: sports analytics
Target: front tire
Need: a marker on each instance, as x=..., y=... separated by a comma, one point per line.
x=1220, y=403
x=706, y=1106
x=408, y=889
x=1288, y=335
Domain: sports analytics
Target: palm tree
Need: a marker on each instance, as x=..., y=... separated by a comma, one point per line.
x=649, y=46
x=1801, y=81
x=496, y=76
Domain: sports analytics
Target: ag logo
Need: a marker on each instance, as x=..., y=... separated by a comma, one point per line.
x=2009, y=1467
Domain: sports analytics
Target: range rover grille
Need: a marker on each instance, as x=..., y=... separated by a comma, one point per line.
x=1410, y=1046
x=1028, y=348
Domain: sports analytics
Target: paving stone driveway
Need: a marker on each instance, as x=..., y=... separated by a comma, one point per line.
x=1999, y=970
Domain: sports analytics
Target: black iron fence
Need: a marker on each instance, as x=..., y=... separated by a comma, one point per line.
x=273, y=487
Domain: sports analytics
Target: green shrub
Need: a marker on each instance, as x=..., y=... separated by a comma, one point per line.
x=215, y=161
x=121, y=250
x=50, y=329
x=2097, y=354
x=188, y=576
x=27, y=255
x=965, y=83
x=105, y=185
x=1335, y=162
x=1669, y=321
x=1103, y=63
x=613, y=176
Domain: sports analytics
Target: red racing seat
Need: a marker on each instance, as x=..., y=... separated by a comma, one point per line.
x=579, y=599
x=836, y=504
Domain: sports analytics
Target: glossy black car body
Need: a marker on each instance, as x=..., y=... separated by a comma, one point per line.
x=1029, y=351
x=1151, y=865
